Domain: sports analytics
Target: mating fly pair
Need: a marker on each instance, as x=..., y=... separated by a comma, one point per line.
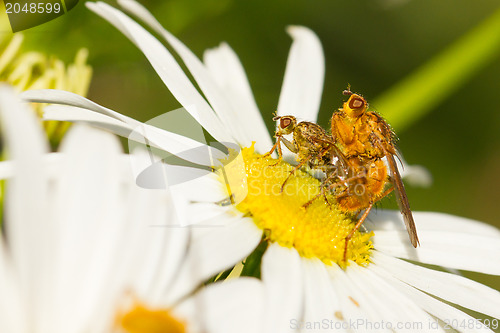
x=353, y=158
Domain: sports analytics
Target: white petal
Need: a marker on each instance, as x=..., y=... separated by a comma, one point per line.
x=139, y=11
x=415, y=175
x=430, y=221
x=207, y=188
x=212, y=250
x=68, y=98
x=321, y=303
x=303, y=82
x=230, y=75
x=369, y=304
x=25, y=198
x=167, y=68
x=151, y=172
x=283, y=281
x=51, y=162
x=150, y=252
x=446, y=313
x=160, y=175
x=449, y=249
x=13, y=317
x=75, y=114
x=305, y=70
x=218, y=98
x=348, y=296
x=229, y=116
x=87, y=217
x=445, y=240
x=178, y=145
x=172, y=259
x=450, y=287
x=21, y=128
x=155, y=247
x=206, y=214
x=226, y=72
x=227, y=307
x=391, y=305
x=183, y=147
x=7, y=169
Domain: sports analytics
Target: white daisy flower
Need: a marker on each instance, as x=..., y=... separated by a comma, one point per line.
x=307, y=286
x=81, y=252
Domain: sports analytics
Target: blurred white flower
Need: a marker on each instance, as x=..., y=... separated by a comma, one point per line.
x=86, y=250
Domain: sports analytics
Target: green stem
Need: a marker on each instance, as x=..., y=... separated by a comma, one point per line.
x=426, y=87
x=251, y=266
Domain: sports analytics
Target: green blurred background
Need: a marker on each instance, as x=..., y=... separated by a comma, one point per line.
x=373, y=45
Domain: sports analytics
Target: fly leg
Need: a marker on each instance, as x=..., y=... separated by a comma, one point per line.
x=386, y=193
x=361, y=220
x=276, y=146
x=324, y=189
x=293, y=171
x=293, y=148
x=356, y=227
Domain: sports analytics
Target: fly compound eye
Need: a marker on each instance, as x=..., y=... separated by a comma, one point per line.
x=356, y=102
x=285, y=122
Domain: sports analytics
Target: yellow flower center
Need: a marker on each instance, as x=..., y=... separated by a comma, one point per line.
x=318, y=231
x=141, y=319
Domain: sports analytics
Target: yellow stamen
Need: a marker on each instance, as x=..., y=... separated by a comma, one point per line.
x=141, y=319
x=317, y=231
x=35, y=70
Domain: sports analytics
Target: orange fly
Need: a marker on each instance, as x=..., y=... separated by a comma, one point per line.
x=364, y=139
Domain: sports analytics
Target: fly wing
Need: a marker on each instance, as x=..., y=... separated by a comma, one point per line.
x=338, y=159
x=383, y=137
x=340, y=162
x=402, y=199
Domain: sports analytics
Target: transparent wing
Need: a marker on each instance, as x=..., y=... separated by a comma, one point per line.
x=402, y=199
